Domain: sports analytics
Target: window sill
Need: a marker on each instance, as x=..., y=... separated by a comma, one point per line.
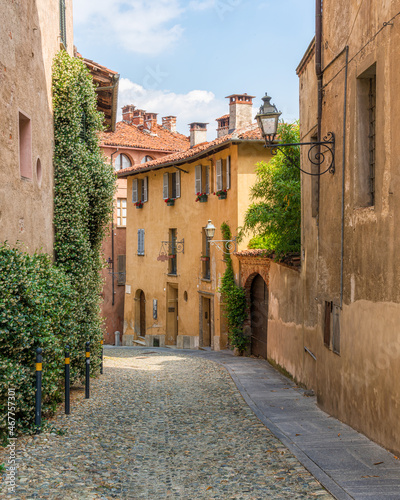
x=172, y=275
x=140, y=254
x=207, y=280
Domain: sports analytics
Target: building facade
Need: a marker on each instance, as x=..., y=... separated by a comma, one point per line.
x=173, y=271
x=333, y=326
x=32, y=33
x=136, y=140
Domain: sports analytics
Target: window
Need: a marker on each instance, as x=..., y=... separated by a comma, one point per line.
x=25, y=146
x=146, y=158
x=122, y=161
x=172, y=185
x=140, y=250
x=140, y=190
x=202, y=179
x=172, y=264
x=366, y=123
x=121, y=270
x=63, y=26
x=121, y=212
x=223, y=174
x=206, y=257
x=332, y=327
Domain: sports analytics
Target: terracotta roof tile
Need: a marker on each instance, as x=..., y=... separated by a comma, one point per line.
x=132, y=136
x=251, y=133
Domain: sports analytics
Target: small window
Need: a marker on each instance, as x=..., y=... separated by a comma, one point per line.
x=122, y=161
x=172, y=261
x=140, y=250
x=172, y=185
x=63, y=25
x=121, y=212
x=146, y=158
x=25, y=146
x=140, y=190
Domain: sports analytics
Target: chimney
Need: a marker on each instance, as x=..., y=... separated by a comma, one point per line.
x=138, y=117
x=150, y=122
x=223, y=126
x=127, y=113
x=198, y=133
x=240, y=111
x=169, y=123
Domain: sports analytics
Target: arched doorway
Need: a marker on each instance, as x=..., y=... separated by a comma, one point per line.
x=140, y=313
x=259, y=316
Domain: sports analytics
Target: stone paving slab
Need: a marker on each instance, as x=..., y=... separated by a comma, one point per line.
x=160, y=424
x=346, y=462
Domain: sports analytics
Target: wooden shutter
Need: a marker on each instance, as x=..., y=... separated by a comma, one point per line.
x=197, y=183
x=121, y=269
x=219, y=175
x=173, y=185
x=178, y=184
x=165, y=186
x=140, y=242
x=145, y=184
x=134, y=190
x=207, y=175
x=228, y=173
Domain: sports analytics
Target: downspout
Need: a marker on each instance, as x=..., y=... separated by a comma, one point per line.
x=318, y=71
x=343, y=175
x=112, y=240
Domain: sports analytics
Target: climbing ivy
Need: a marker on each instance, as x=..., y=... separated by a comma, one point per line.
x=234, y=298
x=84, y=189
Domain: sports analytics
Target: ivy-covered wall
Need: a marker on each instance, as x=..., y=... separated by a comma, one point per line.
x=53, y=304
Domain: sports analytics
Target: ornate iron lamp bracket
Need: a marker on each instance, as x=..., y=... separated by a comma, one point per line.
x=226, y=246
x=319, y=153
x=171, y=248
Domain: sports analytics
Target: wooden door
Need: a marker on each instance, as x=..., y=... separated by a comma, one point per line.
x=142, y=324
x=206, y=322
x=172, y=315
x=259, y=317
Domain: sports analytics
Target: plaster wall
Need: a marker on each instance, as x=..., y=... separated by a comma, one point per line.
x=29, y=39
x=150, y=274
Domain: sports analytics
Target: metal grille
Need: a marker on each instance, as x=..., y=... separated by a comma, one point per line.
x=371, y=135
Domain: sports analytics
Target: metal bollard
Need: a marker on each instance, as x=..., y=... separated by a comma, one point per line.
x=38, y=395
x=87, y=370
x=67, y=382
x=101, y=365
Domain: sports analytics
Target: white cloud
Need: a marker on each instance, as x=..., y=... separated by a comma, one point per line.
x=140, y=26
x=202, y=4
x=194, y=106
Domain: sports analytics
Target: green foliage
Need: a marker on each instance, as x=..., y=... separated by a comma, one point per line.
x=37, y=302
x=234, y=298
x=50, y=305
x=84, y=189
x=274, y=216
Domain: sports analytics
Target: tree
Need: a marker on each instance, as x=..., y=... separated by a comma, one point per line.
x=275, y=214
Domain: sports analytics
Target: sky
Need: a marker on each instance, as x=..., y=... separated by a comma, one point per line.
x=183, y=58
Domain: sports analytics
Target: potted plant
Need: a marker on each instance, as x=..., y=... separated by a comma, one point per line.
x=170, y=202
x=139, y=204
x=201, y=197
x=204, y=258
x=222, y=194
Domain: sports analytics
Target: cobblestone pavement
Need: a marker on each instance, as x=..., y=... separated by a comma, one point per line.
x=160, y=425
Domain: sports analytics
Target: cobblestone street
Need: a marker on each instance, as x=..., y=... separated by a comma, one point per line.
x=160, y=425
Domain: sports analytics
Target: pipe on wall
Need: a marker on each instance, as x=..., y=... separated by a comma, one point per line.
x=318, y=71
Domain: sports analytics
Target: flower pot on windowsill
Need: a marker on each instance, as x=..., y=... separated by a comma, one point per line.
x=222, y=196
x=139, y=206
x=203, y=198
x=170, y=203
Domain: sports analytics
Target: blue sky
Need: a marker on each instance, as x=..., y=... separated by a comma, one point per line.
x=183, y=58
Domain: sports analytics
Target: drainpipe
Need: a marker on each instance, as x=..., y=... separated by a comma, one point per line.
x=343, y=175
x=318, y=71
x=112, y=240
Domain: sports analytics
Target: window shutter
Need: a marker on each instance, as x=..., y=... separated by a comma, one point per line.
x=173, y=185
x=178, y=184
x=134, y=190
x=121, y=269
x=228, y=172
x=140, y=242
x=145, y=182
x=165, y=186
x=197, y=172
x=219, y=175
x=208, y=179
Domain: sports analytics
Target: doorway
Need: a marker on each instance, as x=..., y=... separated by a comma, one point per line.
x=142, y=314
x=259, y=317
x=206, y=322
x=172, y=314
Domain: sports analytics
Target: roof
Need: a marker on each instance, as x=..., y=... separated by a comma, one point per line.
x=291, y=259
x=251, y=133
x=107, y=82
x=306, y=57
x=132, y=136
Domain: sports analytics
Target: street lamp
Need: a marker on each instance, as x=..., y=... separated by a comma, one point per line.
x=318, y=152
x=227, y=246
